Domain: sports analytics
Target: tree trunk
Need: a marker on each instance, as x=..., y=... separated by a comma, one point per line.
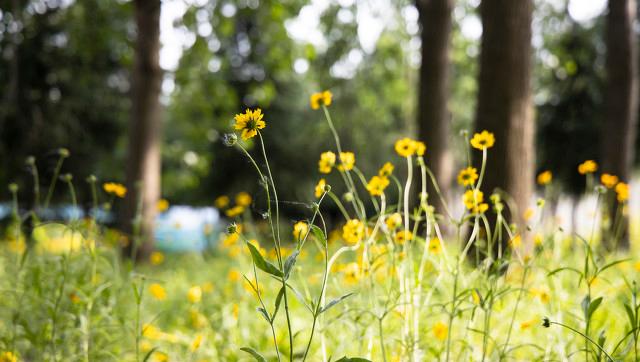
x=433, y=113
x=504, y=103
x=143, y=163
x=621, y=99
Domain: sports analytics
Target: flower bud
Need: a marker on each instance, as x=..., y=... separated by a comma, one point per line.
x=13, y=187
x=30, y=161
x=230, y=139
x=67, y=177
x=232, y=228
x=63, y=152
x=348, y=196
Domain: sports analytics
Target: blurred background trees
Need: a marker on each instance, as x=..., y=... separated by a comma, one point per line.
x=395, y=68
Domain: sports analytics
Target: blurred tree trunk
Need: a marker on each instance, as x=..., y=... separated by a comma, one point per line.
x=433, y=114
x=143, y=162
x=621, y=101
x=504, y=103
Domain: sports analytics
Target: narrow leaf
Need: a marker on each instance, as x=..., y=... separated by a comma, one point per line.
x=278, y=300
x=593, y=306
x=290, y=262
x=262, y=264
x=254, y=353
x=334, y=302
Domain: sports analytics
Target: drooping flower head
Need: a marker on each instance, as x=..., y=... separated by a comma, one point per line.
x=544, y=178
x=327, y=161
x=320, y=188
x=483, y=140
x=468, y=176
x=250, y=122
x=377, y=185
x=588, y=166
x=353, y=231
x=320, y=99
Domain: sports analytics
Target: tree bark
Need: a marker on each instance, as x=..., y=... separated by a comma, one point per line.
x=433, y=114
x=621, y=100
x=504, y=103
x=143, y=162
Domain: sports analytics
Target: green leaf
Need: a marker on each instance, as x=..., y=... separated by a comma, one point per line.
x=334, y=302
x=278, y=300
x=630, y=315
x=290, y=262
x=612, y=264
x=262, y=264
x=585, y=306
x=318, y=233
x=353, y=359
x=148, y=355
x=593, y=306
x=264, y=314
x=254, y=353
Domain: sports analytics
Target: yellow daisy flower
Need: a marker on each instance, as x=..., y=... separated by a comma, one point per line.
x=243, y=199
x=608, y=180
x=157, y=291
x=327, y=161
x=320, y=99
x=468, y=176
x=544, y=178
x=156, y=258
x=249, y=123
x=221, y=202
x=353, y=231
x=588, y=166
x=194, y=294
x=162, y=205
x=300, y=229
x=393, y=221
x=472, y=198
x=405, y=147
x=420, y=147
x=440, y=331
x=483, y=140
x=435, y=246
x=402, y=236
x=320, y=188
x=377, y=185
x=622, y=192
x=235, y=211
x=347, y=161
x=115, y=188
x=386, y=169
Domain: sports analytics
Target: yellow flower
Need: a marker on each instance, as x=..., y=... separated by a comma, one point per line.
x=327, y=161
x=516, y=241
x=538, y=239
x=194, y=295
x=608, y=180
x=468, y=176
x=483, y=140
x=230, y=240
x=320, y=188
x=402, y=236
x=196, y=343
x=472, y=198
x=588, y=166
x=377, y=185
x=347, y=161
x=320, y=98
x=351, y=273
x=115, y=188
x=544, y=178
x=405, y=147
x=234, y=275
x=162, y=205
x=393, y=221
x=250, y=122
x=156, y=258
x=475, y=297
x=150, y=331
x=159, y=357
x=207, y=287
x=300, y=229
x=622, y=191
x=157, y=291
x=235, y=211
x=353, y=231
x=440, y=330
x=420, y=147
x=526, y=324
x=8, y=357
x=480, y=209
x=528, y=213
x=243, y=199
x=435, y=246
x=221, y=202
x=386, y=169
x=75, y=299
